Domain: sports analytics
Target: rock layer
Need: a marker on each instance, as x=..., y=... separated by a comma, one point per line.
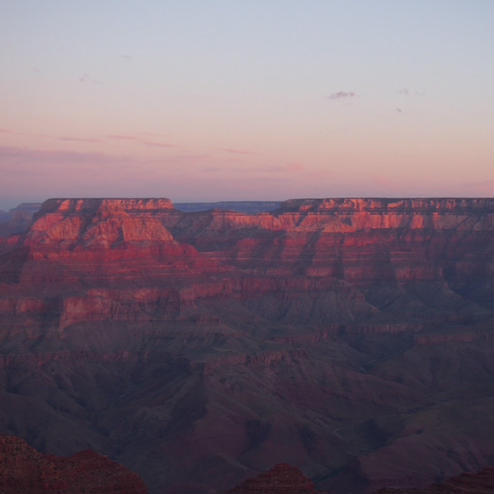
x=349, y=337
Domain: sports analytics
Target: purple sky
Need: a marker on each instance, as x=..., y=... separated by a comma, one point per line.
x=234, y=100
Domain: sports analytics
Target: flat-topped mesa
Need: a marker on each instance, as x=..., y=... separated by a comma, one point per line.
x=338, y=216
x=92, y=205
x=383, y=205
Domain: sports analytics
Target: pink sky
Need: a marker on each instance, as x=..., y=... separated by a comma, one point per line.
x=260, y=101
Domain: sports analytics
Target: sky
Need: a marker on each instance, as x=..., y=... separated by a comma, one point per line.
x=245, y=99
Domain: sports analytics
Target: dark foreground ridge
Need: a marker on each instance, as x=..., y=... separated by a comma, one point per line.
x=467, y=483
x=281, y=479
x=285, y=479
x=23, y=470
x=351, y=338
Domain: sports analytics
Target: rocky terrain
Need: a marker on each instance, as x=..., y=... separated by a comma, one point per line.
x=281, y=479
x=351, y=338
x=285, y=479
x=25, y=470
x=467, y=483
x=18, y=219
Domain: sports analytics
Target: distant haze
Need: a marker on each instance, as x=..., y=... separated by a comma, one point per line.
x=259, y=100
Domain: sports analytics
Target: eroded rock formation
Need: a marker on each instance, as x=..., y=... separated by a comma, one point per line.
x=350, y=337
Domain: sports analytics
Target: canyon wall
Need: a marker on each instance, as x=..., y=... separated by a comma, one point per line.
x=349, y=337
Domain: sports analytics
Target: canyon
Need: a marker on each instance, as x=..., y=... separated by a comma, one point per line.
x=351, y=338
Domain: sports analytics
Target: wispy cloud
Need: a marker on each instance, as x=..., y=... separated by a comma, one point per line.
x=237, y=151
x=289, y=167
x=121, y=137
x=190, y=156
x=152, y=134
x=139, y=140
x=38, y=173
x=31, y=158
x=45, y=170
x=410, y=92
x=78, y=139
x=86, y=78
x=157, y=144
x=342, y=95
